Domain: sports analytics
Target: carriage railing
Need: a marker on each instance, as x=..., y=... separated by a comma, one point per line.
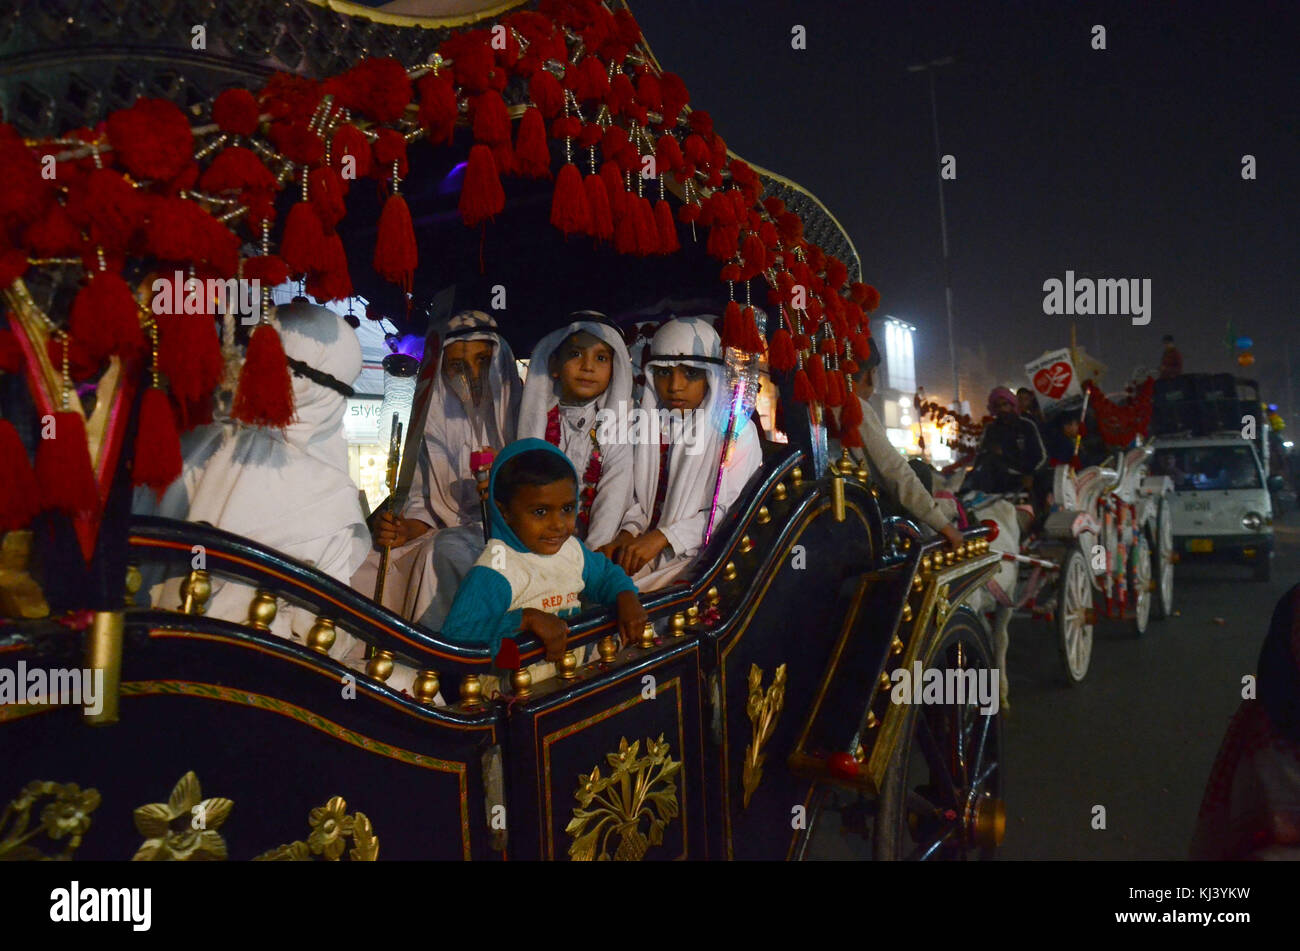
x=172, y=545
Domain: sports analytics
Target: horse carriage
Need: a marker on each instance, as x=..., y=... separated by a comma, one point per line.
x=1103, y=550
x=757, y=702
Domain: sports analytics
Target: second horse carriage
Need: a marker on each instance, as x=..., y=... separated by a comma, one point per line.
x=764, y=678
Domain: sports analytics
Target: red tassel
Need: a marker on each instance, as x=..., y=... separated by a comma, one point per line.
x=602, y=219
x=834, y=388
x=481, y=195
x=618, y=195
x=264, y=396
x=326, y=189
x=723, y=241
x=395, y=250
x=438, y=109
x=780, y=354
x=850, y=436
x=491, y=119
x=803, y=390
x=817, y=377
x=570, y=210
x=268, y=269
x=63, y=472
x=105, y=318
x=732, y=335
x=668, y=154
x=751, y=339
x=851, y=414
x=647, y=232
x=19, y=495
x=157, y=444
x=303, y=244
x=668, y=242
x=546, y=92
x=332, y=281
x=532, y=157
x=351, y=141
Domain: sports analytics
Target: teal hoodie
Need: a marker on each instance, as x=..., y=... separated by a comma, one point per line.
x=481, y=615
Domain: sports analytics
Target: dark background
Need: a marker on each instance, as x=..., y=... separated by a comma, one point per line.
x=1124, y=162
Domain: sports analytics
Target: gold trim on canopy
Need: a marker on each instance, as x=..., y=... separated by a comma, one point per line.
x=362, y=12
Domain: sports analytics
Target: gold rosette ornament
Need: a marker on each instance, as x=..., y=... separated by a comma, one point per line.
x=184, y=828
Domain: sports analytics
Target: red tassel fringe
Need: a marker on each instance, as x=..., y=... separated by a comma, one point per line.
x=780, y=355
x=303, y=244
x=157, y=444
x=64, y=475
x=481, y=195
x=532, y=157
x=602, y=219
x=395, y=250
x=105, y=318
x=667, y=227
x=264, y=396
x=570, y=210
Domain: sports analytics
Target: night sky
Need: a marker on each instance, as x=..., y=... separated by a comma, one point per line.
x=1124, y=162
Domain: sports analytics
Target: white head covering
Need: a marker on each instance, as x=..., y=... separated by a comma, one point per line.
x=288, y=489
x=542, y=394
x=442, y=484
x=696, y=436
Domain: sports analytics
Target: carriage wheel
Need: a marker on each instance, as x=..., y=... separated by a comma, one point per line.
x=941, y=798
x=1140, y=582
x=1162, y=561
x=1074, y=616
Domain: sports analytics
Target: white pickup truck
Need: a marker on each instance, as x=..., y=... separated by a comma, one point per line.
x=1222, y=508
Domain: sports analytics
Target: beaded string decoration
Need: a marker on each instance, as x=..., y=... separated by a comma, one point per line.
x=590, y=475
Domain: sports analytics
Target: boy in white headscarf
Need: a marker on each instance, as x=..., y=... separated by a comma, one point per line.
x=470, y=385
x=682, y=484
x=286, y=489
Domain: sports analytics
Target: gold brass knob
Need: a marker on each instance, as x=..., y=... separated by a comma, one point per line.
x=779, y=492
x=608, y=649
x=522, y=681
x=886, y=683
x=746, y=544
x=133, y=582
x=261, y=612
x=859, y=754
x=321, y=636
x=875, y=492
x=648, y=635
x=871, y=720
x=678, y=624
x=380, y=666
x=569, y=666
x=764, y=516
x=949, y=557
x=863, y=474
x=896, y=646
x=796, y=475
x=918, y=583
x=471, y=692
x=693, y=614
x=907, y=611
x=729, y=571
x=925, y=563
x=905, y=543
x=713, y=596
x=425, y=686
x=195, y=590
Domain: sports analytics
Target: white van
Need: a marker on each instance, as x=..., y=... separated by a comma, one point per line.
x=1222, y=509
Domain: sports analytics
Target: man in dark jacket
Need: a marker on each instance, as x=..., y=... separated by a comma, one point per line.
x=1010, y=450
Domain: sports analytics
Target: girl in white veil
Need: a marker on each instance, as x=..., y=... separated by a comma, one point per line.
x=287, y=489
x=678, y=454
x=472, y=404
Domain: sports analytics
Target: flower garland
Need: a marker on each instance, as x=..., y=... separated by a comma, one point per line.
x=590, y=475
x=156, y=187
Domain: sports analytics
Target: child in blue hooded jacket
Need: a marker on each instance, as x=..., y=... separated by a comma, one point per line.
x=535, y=572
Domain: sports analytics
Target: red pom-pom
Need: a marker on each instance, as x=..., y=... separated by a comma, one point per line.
x=648, y=92
x=303, y=244
x=837, y=273
x=569, y=127
x=570, y=210
x=491, y=119
x=390, y=147
x=508, y=656
x=377, y=87
x=268, y=269
x=790, y=227
x=667, y=227
x=234, y=169
x=82, y=365
x=781, y=355
x=395, y=249
x=151, y=139
x=621, y=94
x=105, y=205
x=64, y=475
x=105, y=317
x=331, y=280
x=157, y=444
x=25, y=192
x=438, y=110
x=775, y=206
x=546, y=93
x=754, y=254
x=481, y=195
x=701, y=123
x=350, y=141
x=189, y=354
x=19, y=493
x=675, y=97
x=857, y=292
x=236, y=111
x=668, y=154
x=288, y=94
x=532, y=157
x=602, y=220
x=689, y=213
x=298, y=142
x=871, y=300
x=325, y=188
x=723, y=241
x=264, y=396
x=53, y=234
x=588, y=79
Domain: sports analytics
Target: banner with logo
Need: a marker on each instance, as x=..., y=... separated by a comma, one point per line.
x=1053, y=380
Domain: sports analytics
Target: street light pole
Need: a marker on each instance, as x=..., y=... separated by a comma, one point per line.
x=943, y=217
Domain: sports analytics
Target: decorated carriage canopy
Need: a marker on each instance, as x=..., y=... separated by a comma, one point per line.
x=546, y=158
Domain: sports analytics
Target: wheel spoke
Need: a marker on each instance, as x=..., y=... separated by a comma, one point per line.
x=979, y=749
x=934, y=757
x=925, y=850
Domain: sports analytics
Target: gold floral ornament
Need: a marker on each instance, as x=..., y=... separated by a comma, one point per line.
x=763, y=709
x=184, y=828
x=331, y=827
x=67, y=817
x=638, y=788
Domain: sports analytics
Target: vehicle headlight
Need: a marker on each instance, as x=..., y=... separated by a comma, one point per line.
x=1252, y=521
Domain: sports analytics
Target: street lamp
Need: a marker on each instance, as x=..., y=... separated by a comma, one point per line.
x=930, y=67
